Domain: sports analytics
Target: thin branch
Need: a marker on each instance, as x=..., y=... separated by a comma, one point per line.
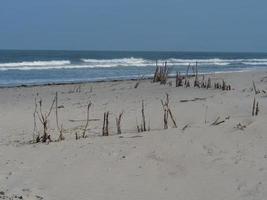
x=87, y=119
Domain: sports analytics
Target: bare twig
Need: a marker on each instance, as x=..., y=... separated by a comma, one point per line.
x=43, y=117
x=195, y=99
x=253, y=107
x=87, y=119
x=255, y=89
x=185, y=127
x=257, y=109
x=206, y=112
x=143, y=116
x=35, y=131
x=216, y=121
x=167, y=112
x=60, y=129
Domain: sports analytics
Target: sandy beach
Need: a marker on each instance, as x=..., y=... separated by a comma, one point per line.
x=195, y=161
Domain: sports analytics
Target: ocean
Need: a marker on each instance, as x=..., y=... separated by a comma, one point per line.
x=18, y=67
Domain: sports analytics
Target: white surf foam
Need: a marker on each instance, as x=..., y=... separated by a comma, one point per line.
x=127, y=62
x=139, y=62
x=35, y=63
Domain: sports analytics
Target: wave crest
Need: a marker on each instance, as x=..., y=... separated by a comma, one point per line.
x=35, y=63
x=128, y=62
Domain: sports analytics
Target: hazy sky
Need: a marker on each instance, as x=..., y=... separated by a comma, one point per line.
x=183, y=25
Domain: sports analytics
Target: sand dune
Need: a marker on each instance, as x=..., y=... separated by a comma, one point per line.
x=226, y=161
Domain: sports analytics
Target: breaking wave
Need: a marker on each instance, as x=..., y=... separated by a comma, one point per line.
x=34, y=64
x=128, y=62
x=140, y=62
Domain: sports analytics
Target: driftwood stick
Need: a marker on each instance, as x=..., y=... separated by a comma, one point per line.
x=185, y=127
x=107, y=123
x=167, y=112
x=83, y=120
x=257, y=109
x=57, y=111
x=87, y=119
x=220, y=122
x=35, y=131
x=143, y=116
x=216, y=121
x=118, y=123
x=60, y=129
x=195, y=99
x=105, y=131
x=206, y=113
x=253, y=107
x=165, y=119
x=174, y=122
x=255, y=89
x=209, y=83
x=104, y=125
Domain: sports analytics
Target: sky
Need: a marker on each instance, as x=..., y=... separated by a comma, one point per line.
x=157, y=25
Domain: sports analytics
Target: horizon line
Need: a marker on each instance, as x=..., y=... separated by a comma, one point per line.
x=123, y=50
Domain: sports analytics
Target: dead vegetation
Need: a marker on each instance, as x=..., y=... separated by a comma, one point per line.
x=87, y=120
x=142, y=127
x=161, y=74
x=167, y=112
x=59, y=128
x=43, y=118
x=218, y=121
x=194, y=99
x=185, y=81
x=255, y=104
x=255, y=107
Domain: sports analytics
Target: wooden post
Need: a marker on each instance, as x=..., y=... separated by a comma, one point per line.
x=253, y=107
x=118, y=123
x=143, y=116
x=257, y=109
x=105, y=131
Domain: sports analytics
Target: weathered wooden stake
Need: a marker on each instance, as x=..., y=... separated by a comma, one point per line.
x=143, y=116
x=257, y=109
x=253, y=107
x=209, y=83
x=105, y=124
x=118, y=123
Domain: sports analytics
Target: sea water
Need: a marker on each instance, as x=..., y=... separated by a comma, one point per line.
x=18, y=67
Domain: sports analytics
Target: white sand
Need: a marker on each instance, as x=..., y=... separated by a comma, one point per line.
x=203, y=162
